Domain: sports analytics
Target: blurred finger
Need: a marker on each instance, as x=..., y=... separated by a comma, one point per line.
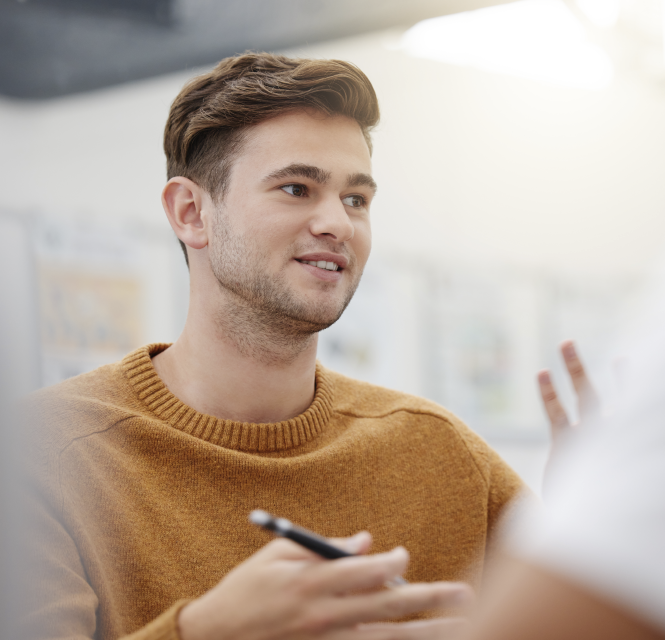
x=358, y=573
x=553, y=407
x=357, y=544
x=399, y=602
x=587, y=398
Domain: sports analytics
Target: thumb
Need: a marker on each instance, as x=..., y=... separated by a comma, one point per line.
x=357, y=544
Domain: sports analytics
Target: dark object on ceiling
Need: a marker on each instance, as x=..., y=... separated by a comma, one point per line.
x=51, y=48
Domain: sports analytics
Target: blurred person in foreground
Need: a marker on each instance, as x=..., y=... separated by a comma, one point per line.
x=592, y=566
x=144, y=471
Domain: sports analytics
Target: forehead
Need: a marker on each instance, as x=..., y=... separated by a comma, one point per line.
x=335, y=143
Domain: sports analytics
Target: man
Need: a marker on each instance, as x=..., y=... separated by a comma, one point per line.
x=149, y=467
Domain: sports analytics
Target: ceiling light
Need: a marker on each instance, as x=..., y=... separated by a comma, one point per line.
x=535, y=39
x=603, y=13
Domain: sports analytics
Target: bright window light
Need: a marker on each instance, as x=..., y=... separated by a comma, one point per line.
x=535, y=39
x=603, y=13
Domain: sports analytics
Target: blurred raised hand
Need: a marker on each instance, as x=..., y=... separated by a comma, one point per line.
x=588, y=401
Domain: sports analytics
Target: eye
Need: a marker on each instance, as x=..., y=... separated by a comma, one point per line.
x=296, y=190
x=354, y=201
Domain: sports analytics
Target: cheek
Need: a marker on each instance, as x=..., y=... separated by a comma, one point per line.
x=267, y=223
x=279, y=234
x=274, y=237
x=362, y=241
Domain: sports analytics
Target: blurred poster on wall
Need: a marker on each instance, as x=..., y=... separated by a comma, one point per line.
x=89, y=293
x=473, y=339
x=85, y=315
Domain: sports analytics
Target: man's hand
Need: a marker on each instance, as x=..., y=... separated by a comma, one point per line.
x=285, y=592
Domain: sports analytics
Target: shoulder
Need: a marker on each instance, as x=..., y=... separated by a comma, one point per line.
x=366, y=400
x=82, y=405
x=64, y=419
x=360, y=399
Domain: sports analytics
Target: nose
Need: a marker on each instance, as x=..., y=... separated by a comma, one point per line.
x=331, y=219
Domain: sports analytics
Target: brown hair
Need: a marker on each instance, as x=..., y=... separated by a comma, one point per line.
x=208, y=119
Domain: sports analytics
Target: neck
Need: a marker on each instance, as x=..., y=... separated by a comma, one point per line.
x=235, y=367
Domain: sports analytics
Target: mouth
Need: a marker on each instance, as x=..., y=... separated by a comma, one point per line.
x=324, y=261
x=321, y=264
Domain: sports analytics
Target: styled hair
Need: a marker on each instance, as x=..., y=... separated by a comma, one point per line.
x=208, y=119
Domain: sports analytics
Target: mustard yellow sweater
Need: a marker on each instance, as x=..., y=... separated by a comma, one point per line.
x=139, y=502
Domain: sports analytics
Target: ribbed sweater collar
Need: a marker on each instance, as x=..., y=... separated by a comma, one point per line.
x=242, y=436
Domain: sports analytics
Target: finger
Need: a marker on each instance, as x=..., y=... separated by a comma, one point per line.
x=587, y=398
x=357, y=573
x=400, y=602
x=357, y=544
x=555, y=411
x=436, y=629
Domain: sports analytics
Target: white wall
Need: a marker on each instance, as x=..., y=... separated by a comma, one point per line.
x=470, y=165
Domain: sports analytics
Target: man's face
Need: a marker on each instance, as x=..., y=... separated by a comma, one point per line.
x=291, y=236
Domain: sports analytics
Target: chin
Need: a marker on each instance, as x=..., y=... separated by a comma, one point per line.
x=323, y=319
x=323, y=310
x=319, y=319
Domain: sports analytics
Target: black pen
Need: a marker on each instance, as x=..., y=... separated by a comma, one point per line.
x=319, y=545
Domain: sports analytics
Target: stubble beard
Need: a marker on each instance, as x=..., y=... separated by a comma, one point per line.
x=263, y=317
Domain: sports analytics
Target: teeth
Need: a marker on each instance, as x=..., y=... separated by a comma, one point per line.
x=322, y=264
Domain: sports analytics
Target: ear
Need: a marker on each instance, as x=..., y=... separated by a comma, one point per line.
x=182, y=200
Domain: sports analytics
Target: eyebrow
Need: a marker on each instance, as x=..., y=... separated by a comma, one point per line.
x=361, y=180
x=297, y=170
x=320, y=176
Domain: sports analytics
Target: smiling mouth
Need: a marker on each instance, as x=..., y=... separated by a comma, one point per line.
x=321, y=264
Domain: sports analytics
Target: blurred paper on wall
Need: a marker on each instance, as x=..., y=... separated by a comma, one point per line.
x=89, y=295
x=472, y=340
x=102, y=292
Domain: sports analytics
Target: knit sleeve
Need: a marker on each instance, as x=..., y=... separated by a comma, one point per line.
x=58, y=601
x=164, y=627
x=505, y=486
x=503, y=483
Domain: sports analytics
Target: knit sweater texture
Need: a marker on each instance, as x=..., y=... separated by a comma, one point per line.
x=138, y=502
